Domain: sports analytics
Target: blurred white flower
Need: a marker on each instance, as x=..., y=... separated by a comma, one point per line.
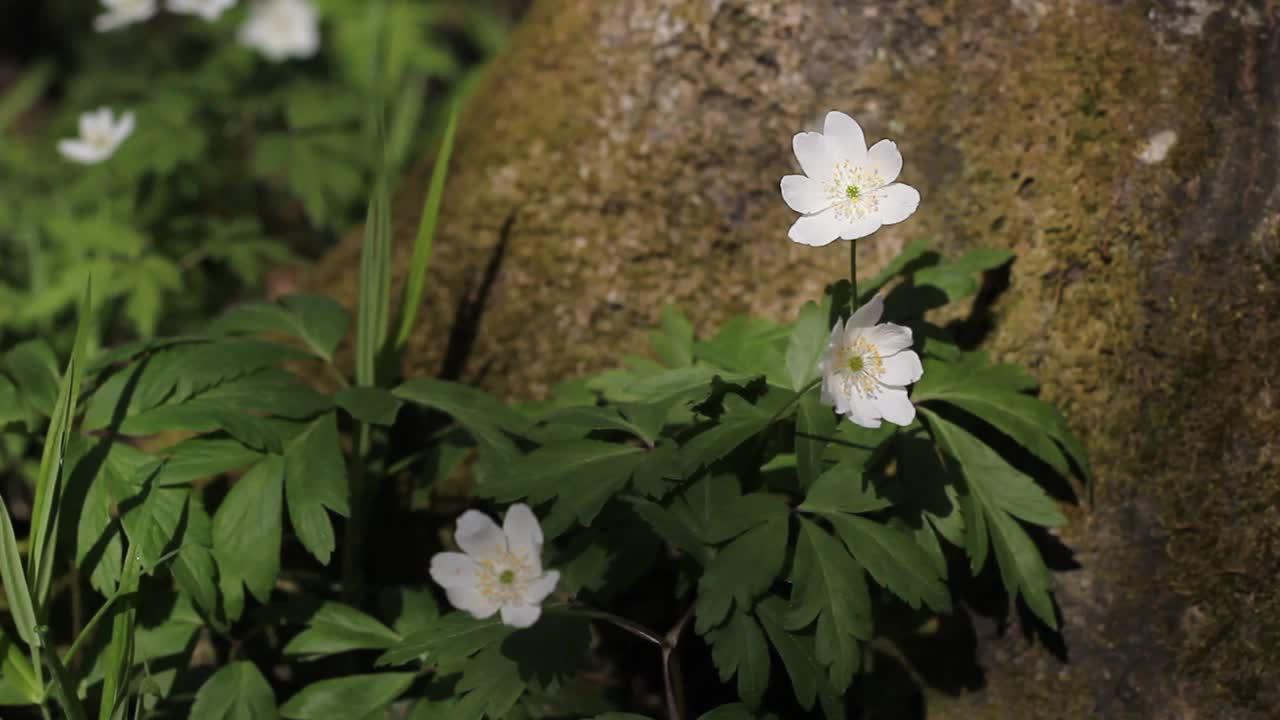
x=847, y=191
x=100, y=135
x=123, y=12
x=499, y=568
x=866, y=368
x=282, y=29
x=208, y=9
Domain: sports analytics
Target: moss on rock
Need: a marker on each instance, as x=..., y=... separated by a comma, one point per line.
x=623, y=155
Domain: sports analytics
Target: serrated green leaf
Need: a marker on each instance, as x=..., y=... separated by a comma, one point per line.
x=344, y=698
x=581, y=475
x=202, y=457
x=246, y=528
x=673, y=528
x=318, y=321
x=237, y=691
x=738, y=648
x=994, y=394
x=596, y=418
x=672, y=342
x=316, y=480
x=958, y=279
x=808, y=340
x=910, y=252
x=842, y=488
x=749, y=345
x=829, y=586
x=742, y=570
x=34, y=368
x=335, y=628
x=815, y=423
x=372, y=405
x=739, y=421
x=447, y=642
x=808, y=680
x=483, y=416
x=894, y=559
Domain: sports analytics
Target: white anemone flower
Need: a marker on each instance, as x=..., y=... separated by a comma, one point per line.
x=120, y=13
x=866, y=368
x=100, y=135
x=208, y=9
x=847, y=191
x=499, y=568
x=282, y=29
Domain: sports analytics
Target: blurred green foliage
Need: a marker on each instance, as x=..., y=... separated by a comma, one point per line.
x=237, y=164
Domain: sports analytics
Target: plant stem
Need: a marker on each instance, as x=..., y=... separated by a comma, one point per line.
x=634, y=628
x=853, y=277
x=673, y=680
x=353, y=537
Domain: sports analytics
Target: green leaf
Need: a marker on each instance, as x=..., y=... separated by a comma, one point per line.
x=910, y=252
x=829, y=586
x=739, y=421
x=375, y=406
x=237, y=691
x=316, y=479
x=335, y=628
x=808, y=680
x=202, y=457
x=16, y=590
x=673, y=341
x=344, y=698
x=581, y=475
x=98, y=548
x=958, y=279
x=738, y=647
x=448, y=641
x=483, y=416
x=597, y=418
x=34, y=368
x=673, y=528
x=814, y=424
x=748, y=345
x=18, y=682
x=843, y=489
x=318, y=321
x=246, y=528
x=999, y=482
x=417, y=282
x=744, y=569
x=993, y=394
x=894, y=559
x=808, y=340
x=50, y=481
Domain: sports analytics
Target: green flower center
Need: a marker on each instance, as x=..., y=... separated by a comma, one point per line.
x=856, y=363
x=507, y=577
x=852, y=192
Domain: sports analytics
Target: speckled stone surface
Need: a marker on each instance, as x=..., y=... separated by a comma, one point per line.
x=1127, y=152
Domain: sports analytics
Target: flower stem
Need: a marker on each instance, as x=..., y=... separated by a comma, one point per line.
x=853, y=277
x=353, y=540
x=634, y=628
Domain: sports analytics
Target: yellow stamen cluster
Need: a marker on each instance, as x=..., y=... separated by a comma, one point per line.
x=504, y=579
x=850, y=191
x=863, y=365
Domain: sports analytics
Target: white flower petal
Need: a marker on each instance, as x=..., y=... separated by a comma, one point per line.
x=471, y=601
x=890, y=338
x=897, y=202
x=863, y=412
x=125, y=128
x=844, y=138
x=524, y=534
x=815, y=157
x=451, y=570
x=893, y=403
x=861, y=227
x=479, y=536
x=884, y=159
x=816, y=230
x=804, y=195
x=902, y=369
x=521, y=616
x=80, y=151
x=538, y=590
x=868, y=314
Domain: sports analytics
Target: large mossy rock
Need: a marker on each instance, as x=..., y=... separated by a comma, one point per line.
x=626, y=153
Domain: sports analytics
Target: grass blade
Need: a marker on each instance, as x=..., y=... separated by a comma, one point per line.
x=119, y=653
x=416, y=284
x=16, y=590
x=44, y=515
x=64, y=689
x=375, y=256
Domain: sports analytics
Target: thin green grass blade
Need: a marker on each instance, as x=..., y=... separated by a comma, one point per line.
x=44, y=515
x=23, y=94
x=375, y=256
x=64, y=688
x=119, y=653
x=16, y=590
x=422, y=244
